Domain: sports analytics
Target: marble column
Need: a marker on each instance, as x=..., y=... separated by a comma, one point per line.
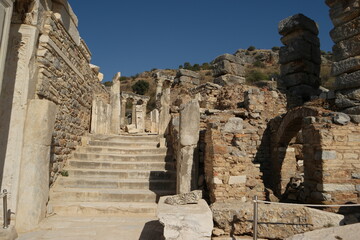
x=115, y=104
x=123, y=111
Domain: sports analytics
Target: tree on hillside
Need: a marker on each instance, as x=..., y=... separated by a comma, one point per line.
x=140, y=87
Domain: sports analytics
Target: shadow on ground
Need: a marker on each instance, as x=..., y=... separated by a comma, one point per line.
x=152, y=230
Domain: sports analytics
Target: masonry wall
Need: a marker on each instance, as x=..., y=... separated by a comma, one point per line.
x=237, y=144
x=333, y=173
x=66, y=78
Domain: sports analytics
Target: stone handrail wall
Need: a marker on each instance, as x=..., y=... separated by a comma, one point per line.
x=66, y=78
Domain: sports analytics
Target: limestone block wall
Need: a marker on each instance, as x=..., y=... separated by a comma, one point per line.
x=300, y=59
x=345, y=16
x=237, y=146
x=66, y=78
x=333, y=173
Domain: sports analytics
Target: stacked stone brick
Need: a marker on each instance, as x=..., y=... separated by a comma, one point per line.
x=345, y=16
x=237, y=144
x=300, y=59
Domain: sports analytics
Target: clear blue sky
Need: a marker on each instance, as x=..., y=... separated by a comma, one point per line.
x=133, y=36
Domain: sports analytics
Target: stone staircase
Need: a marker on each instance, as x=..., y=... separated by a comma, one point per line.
x=112, y=176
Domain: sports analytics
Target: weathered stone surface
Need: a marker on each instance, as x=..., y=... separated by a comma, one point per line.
x=342, y=102
x=263, y=55
x=352, y=110
x=275, y=221
x=230, y=58
x=100, y=117
x=34, y=171
x=65, y=14
x=353, y=94
x=325, y=155
x=189, y=124
x=346, y=81
x=346, y=66
x=301, y=35
x=229, y=80
x=192, y=221
x=346, y=30
x=189, y=73
x=300, y=66
x=115, y=103
x=5, y=21
x=296, y=22
x=237, y=179
x=294, y=51
x=329, y=187
x=347, y=232
x=18, y=86
x=355, y=118
x=300, y=78
x=186, y=168
x=343, y=11
x=8, y=234
x=234, y=125
x=228, y=64
x=341, y=118
x=347, y=48
x=185, y=198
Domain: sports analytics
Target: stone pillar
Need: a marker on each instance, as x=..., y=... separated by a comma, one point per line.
x=6, y=7
x=123, y=111
x=115, y=105
x=133, y=113
x=154, y=118
x=164, y=110
x=300, y=59
x=34, y=171
x=140, y=118
x=159, y=87
x=187, y=155
x=17, y=88
x=345, y=16
x=100, y=117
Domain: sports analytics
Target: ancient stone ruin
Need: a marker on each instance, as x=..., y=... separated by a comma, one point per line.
x=192, y=163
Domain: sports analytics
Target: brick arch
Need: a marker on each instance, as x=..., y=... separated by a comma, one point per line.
x=283, y=157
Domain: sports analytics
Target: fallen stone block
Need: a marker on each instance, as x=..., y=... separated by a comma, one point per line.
x=193, y=221
x=348, y=232
x=274, y=221
x=185, y=198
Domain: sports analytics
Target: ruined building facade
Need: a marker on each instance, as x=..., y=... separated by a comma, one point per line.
x=232, y=140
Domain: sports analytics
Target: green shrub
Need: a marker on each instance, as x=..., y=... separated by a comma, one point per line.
x=140, y=87
x=275, y=49
x=108, y=83
x=251, y=48
x=123, y=78
x=259, y=64
x=255, y=76
x=64, y=173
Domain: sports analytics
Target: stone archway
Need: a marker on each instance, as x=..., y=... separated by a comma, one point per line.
x=285, y=153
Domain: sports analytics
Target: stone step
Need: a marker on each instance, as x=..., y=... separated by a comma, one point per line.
x=124, y=174
x=124, y=144
x=106, y=195
x=102, y=208
x=121, y=165
x=125, y=151
x=122, y=158
x=71, y=182
x=126, y=138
